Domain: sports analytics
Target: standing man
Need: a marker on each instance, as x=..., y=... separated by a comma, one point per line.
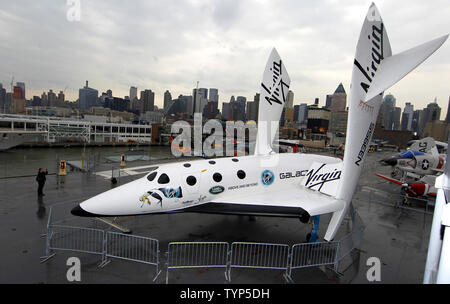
x=40, y=178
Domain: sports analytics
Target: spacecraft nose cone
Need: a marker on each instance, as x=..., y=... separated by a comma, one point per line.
x=78, y=211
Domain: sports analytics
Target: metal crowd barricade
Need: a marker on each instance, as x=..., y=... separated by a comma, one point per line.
x=87, y=240
x=312, y=254
x=353, y=239
x=132, y=248
x=181, y=255
x=197, y=255
x=258, y=255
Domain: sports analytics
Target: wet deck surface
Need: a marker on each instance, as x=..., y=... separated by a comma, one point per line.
x=399, y=237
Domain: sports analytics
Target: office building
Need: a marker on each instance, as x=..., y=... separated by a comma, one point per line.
x=87, y=97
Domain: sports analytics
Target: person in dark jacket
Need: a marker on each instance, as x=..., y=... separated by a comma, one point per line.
x=40, y=178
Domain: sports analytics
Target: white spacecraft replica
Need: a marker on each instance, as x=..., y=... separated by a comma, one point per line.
x=268, y=183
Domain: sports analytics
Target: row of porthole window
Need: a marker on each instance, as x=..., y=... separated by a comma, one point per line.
x=212, y=162
x=191, y=180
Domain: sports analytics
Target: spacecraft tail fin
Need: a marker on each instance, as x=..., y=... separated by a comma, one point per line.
x=374, y=71
x=274, y=90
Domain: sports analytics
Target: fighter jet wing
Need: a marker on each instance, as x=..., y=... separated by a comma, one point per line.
x=289, y=203
x=389, y=179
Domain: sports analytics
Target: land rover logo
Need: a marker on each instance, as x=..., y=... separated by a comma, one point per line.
x=216, y=190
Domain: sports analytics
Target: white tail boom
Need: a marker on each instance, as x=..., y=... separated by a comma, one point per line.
x=374, y=71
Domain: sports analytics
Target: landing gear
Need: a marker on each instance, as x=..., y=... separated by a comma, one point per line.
x=313, y=237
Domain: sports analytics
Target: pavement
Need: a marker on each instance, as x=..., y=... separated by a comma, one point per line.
x=397, y=236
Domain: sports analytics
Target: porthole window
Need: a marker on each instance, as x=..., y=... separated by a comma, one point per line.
x=163, y=179
x=217, y=177
x=235, y=160
x=187, y=165
x=241, y=174
x=152, y=176
x=191, y=180
x=212, y=162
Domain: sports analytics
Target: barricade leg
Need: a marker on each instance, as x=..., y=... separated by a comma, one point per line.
x=228, y=269
x=158, y=271
x=48, y=251
x=167, y=267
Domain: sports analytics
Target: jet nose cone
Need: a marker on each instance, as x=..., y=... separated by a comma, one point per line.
x=78, y=211
x=389, y=161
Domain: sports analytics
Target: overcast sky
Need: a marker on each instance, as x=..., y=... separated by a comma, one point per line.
x=172, y=44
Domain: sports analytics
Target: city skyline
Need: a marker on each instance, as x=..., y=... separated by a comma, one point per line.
x=221, y=49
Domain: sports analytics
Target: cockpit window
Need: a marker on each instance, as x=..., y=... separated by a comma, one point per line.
x=163, y=179
x=152, y=176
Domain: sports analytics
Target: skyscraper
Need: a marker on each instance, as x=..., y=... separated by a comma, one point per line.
x=167, y=99
x=211, y=110
x=328, y=101
x=147, y=101
x=61, y=98
x=133, y=93
x=21, y=85
x=213, y=95
x=290, y=100
x=433, y=111
x=388, y=111
x=87, y=97
x=227, y=113
x=2, y=99
x=407, y=117
x=203, y=93
x=200, y=99
x=300, y=112
x=396, y=118
x=239, y=108
x=51, y=98
x=338, y=99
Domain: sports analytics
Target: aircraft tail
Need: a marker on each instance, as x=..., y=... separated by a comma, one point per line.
x=274, y=90
x=425, y=145
x=374, y=70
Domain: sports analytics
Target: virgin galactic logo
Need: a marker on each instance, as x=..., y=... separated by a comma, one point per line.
x=267, y=177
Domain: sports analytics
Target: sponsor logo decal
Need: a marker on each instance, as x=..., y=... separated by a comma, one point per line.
x=318, y=177
x=242, y=186
x=216, y=189
x=277, y=84
x=171, y=192
x=201, y=198
x=363, y=149
x=293, y=174
x=144, y=199
x=377, y=56
x=267, y=177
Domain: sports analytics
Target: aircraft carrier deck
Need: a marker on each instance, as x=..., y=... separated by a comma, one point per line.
x=397, y=236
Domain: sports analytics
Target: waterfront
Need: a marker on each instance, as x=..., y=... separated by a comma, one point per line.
x=23, y=161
